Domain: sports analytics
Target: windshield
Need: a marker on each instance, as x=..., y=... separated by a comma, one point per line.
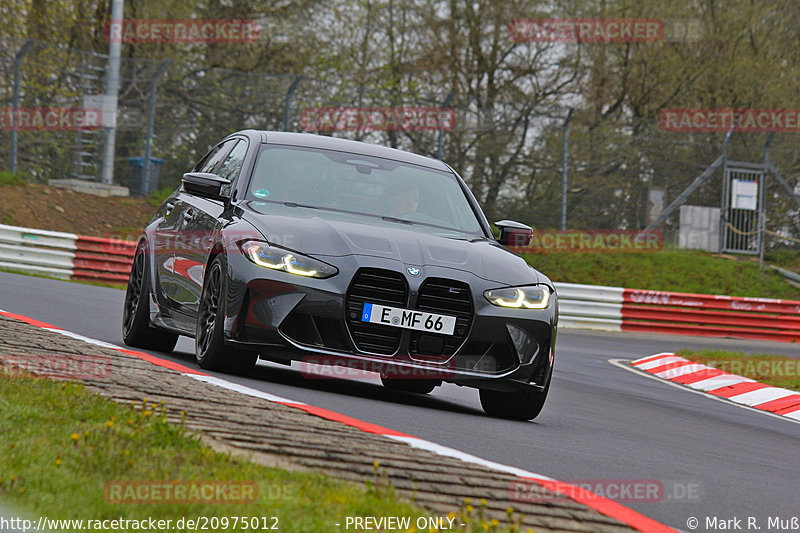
x=377, y=188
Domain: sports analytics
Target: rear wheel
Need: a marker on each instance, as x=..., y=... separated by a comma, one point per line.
x=419, y=386
x=517, y=405
x=210, y=349
x=136, y=328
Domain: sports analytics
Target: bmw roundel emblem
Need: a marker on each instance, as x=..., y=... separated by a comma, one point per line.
x=413, y=271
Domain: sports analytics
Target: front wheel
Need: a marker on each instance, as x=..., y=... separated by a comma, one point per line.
x=517, y=405
x=136, y=328
x=210, y=349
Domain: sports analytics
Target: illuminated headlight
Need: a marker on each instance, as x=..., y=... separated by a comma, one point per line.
x=276, y=258
x=534, y=297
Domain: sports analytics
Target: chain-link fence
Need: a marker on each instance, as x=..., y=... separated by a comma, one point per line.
x=621, y=173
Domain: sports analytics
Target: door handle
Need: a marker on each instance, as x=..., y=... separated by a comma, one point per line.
x=188, y=215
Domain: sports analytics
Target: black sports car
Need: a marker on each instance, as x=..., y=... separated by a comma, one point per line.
x=293, y=246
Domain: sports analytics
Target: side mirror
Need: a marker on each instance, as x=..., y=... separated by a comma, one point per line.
x=514, y=233
x=204, y=184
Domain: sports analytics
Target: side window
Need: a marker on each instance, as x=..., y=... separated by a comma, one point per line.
x=232, y=166
x=214, y=157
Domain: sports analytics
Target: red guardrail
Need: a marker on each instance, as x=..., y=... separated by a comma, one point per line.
x=98, y=259
x=710, y=315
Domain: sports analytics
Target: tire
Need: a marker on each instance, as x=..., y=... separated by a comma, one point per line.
x=210, y=349
x=136, y=328
x=518, y=405
x=418, y=386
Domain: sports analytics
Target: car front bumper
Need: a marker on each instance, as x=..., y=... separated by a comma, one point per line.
x=286, y=317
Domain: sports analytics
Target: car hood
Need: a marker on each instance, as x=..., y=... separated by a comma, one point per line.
x=305, y=231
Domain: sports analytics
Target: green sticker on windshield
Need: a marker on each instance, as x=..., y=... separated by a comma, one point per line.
x=261, y=193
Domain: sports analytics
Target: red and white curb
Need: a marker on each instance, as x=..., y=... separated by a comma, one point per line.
x=721, y=384
x=602, y=505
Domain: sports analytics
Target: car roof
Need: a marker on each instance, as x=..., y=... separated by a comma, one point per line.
x=313, y=140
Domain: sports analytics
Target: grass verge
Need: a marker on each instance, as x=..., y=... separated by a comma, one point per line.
x=8, y=179
x=668, y=270
x=775, y=370
x=65, y=451
x=63, y=445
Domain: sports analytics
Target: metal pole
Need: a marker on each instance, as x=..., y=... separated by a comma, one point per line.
x=440, y=142
x=565, y=158
x=724, y=202
x=699, y=180
x=287, y=112
x=112, y=89
x=151, y=111
x=15, y=103
x=762, y=204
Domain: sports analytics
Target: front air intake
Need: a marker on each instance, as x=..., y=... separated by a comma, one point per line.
x=375, y=286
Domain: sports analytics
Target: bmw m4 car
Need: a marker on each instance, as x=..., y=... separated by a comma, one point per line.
x=300, y=247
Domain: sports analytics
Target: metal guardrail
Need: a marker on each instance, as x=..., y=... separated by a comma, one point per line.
x=65, y=255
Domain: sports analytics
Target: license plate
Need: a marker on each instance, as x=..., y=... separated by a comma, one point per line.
x=408, y=318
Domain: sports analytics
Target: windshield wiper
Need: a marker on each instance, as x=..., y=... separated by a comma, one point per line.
x=295, y=204
x=399, y=220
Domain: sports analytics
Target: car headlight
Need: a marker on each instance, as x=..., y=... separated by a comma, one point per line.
x=269, y=256
x=533, y=297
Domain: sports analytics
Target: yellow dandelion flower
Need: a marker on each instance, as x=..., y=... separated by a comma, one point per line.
x=433, y=530
x=495, y=523
x=58, y=462
x=467, y=501
x=147, y=413
x=110, y=423
x=470, y=508
x=86, y=433
x=130, y=421
x=485, y=526
x=21, y=490
x=451, y=515
x=74, y=436
x=509, y=510
x=483, y=502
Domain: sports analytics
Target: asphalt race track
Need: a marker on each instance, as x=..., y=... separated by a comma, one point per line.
x=601, y=422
